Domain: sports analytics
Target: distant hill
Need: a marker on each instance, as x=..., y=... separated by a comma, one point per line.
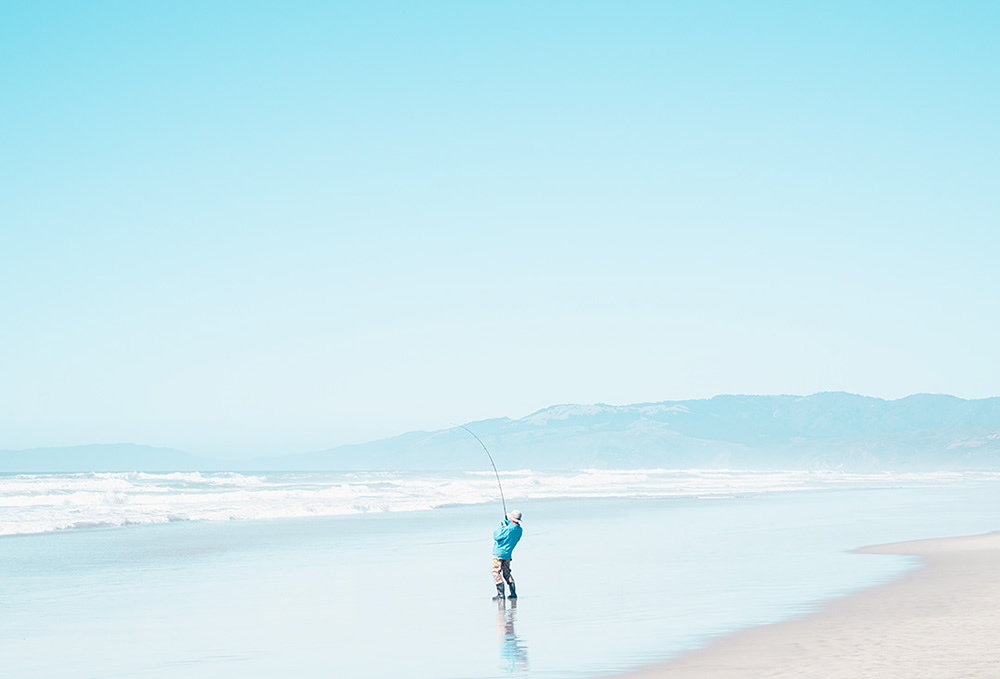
x=114, y=457
x=824, y=431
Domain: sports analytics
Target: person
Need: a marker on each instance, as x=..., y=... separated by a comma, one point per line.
x=504, y=540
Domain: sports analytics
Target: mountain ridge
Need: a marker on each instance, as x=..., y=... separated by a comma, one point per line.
x=827, y=430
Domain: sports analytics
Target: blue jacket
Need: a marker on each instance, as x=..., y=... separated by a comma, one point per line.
x=504, y=539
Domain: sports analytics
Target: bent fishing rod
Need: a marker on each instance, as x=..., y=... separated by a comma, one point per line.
x=494, y=467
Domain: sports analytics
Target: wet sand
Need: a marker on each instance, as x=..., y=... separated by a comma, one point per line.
x=939, y=621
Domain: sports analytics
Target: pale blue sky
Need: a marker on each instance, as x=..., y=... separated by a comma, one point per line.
x=243, y=228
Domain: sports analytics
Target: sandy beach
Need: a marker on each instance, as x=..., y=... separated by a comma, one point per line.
x=939, y=621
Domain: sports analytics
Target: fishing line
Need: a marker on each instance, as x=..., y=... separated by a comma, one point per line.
x=492, y=463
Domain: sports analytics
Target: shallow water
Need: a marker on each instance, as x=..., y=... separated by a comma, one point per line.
x=605, y=584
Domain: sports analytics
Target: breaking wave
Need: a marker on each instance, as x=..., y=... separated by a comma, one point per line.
x=40, y=503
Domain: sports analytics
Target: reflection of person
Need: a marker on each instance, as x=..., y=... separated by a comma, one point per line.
x=504, y=539
x=513, y=652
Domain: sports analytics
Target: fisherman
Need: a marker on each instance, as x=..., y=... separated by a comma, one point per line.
x=504, y=539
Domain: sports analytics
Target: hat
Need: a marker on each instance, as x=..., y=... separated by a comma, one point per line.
x=515, y=516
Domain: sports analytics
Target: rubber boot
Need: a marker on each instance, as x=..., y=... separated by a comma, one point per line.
x=499, y=596
x=513, y=592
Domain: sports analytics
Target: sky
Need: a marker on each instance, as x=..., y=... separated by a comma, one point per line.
x=246, y=228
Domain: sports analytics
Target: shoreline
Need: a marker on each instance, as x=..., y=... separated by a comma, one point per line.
x=940, y=620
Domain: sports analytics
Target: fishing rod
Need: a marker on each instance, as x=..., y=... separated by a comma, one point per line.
x=494, y=467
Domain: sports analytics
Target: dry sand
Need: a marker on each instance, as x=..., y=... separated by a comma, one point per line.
x=936, y=622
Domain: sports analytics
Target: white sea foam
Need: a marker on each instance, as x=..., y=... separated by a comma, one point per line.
x=38, y=503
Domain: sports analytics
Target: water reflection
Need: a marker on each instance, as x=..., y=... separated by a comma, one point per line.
x=513, y=651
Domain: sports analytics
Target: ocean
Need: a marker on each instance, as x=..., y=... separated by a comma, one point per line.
x=375, y=575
